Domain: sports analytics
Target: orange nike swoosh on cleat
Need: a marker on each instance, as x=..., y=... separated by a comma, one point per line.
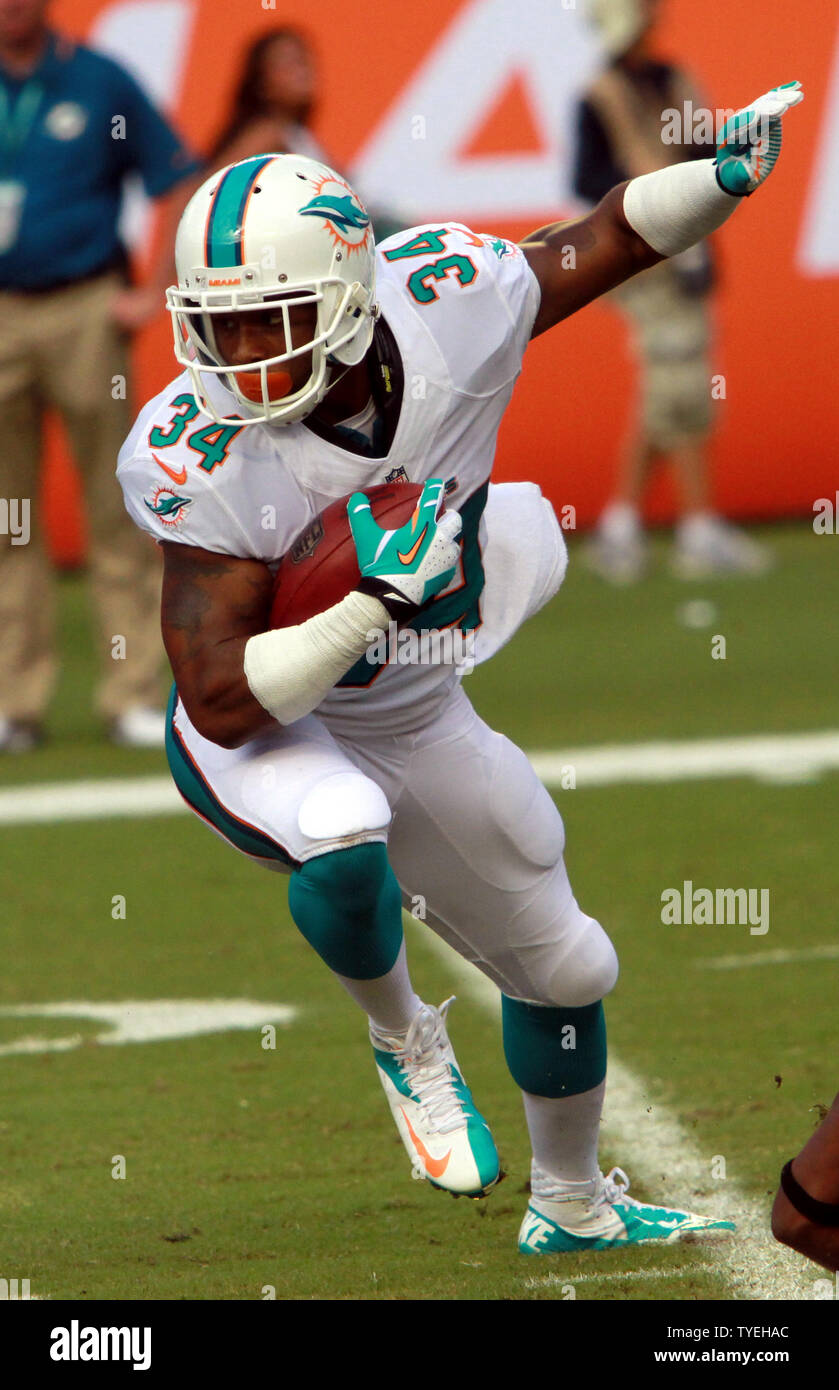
x=178, y=478
x=406, y=559
x=435, y=1167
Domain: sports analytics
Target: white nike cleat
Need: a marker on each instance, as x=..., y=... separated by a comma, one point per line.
x=447, y=1140
x=602, y=1218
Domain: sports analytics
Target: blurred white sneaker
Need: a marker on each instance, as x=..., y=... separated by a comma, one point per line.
x=706, y=546
x=139, y=727
x=616, y=550
x=20, y=735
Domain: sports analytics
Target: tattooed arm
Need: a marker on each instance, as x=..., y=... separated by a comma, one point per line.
x=211, y=605
x=575, y=262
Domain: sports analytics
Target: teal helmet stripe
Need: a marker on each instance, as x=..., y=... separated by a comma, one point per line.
x=225, y=222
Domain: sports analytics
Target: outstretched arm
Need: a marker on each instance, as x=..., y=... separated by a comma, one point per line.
x=576, y=262
x=657, y=215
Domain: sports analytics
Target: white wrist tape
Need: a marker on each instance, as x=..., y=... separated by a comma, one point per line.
x=675, y=207
x=291, y=669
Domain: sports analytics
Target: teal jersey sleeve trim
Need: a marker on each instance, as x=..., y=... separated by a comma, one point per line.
x=198, y=794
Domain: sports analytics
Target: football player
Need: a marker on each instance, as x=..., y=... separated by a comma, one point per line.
x=316, y=365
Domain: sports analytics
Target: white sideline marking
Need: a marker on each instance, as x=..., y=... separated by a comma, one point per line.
x=671, y=1167
x=548, y=1280
x=100, y=800
x=768, y=757
x=147, y=1020
x=776, y=957
x=785, y=758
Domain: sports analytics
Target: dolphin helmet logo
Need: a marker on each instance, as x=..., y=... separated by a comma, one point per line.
x=344, y=212
x=344, y=218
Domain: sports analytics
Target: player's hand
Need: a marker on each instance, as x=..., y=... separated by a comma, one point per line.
x=751, y=141
x=406, y=567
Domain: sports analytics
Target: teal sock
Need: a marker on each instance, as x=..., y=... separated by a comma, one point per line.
x=348, y=905
x=554, y=1052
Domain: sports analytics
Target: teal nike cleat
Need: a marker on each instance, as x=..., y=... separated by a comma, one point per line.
x=447, y=1139
x=606, y=1220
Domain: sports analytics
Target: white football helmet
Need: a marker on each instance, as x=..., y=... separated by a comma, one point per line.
x=275, y=230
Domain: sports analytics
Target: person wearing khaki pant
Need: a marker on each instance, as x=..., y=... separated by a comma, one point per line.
x=621, y=135
x=73, y=125
x=62, y=350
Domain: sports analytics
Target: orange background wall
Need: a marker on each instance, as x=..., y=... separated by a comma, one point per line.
x=774, y=447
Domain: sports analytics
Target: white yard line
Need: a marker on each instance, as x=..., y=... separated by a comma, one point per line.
x=144, y=1020
x=543, y=1281
x=101, y=800
x=664, y=1156
x=770, y=758
x=775, y=957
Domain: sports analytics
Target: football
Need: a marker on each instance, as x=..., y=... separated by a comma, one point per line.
x=322, y=567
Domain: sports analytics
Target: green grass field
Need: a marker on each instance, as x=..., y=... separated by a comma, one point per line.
x=247, y=1167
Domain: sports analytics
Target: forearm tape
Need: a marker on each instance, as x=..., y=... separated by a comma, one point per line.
x=291, y=669
x=675, y=207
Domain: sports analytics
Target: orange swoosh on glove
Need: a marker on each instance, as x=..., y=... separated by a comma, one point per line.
x=406, y=559
x=435, y=1167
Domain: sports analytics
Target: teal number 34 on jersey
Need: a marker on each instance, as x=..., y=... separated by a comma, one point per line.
x=211, y=441
x=433, y=242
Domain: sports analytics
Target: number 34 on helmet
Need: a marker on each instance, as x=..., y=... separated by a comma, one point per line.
x=273, y=232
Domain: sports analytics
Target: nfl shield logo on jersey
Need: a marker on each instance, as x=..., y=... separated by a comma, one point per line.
x=397, y=475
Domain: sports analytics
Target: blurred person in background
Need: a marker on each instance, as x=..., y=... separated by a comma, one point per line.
x=72, y=125
x=620, y=136
x=273, y=106
x=273, y=102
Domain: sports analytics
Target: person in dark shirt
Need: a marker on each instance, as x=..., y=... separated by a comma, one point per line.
x=632, y=120
x=73, y=123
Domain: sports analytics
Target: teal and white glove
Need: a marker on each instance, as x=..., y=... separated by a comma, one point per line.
x=406, y=567
x=751, y=141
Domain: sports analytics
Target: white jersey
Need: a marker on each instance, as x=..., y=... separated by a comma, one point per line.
x=460, y=308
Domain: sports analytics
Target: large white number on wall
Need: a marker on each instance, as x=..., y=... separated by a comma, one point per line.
x=411, y=160
x=819, y=250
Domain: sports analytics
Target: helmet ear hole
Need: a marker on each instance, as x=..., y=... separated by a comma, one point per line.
x=354, y=351
x=360, y=311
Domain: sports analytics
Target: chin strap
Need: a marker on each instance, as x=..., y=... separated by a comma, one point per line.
x=331, y=364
